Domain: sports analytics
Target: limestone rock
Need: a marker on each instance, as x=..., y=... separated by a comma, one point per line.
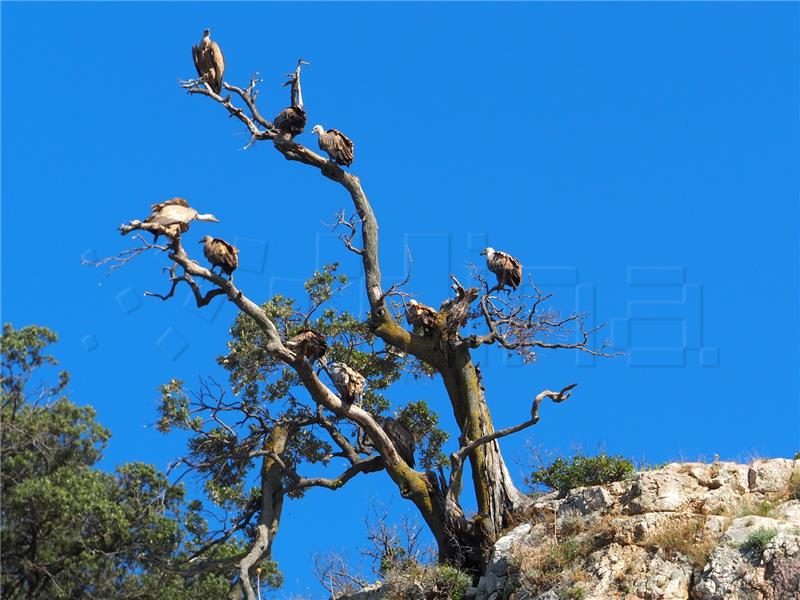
x=735, y=571
x=376, y=591
x=770, y=476
x=676, y=533
x=582, y=501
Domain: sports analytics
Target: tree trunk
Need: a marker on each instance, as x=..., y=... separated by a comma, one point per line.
x=270, y=511
x=497, y=496
x=464, y=543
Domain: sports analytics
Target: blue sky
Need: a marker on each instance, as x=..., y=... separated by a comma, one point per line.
x=640, y=160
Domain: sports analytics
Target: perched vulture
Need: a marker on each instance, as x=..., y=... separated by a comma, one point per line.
x=291, y=120
x=176, y=214
x=420, y=316
x=209, y=62
x=507, y=268
x=348, y=381
x=308, y=343
x=401, y=437
x=221, y=254
x=337, y=145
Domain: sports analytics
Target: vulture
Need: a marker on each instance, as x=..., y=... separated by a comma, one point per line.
x=401, y=437
x=291, y=120
x=337, y=145
x=507, y=268
x=209, y=62
x=221, y=254
x=309, y=343
x=420, y=316
x=176, y=214
x=348, y=381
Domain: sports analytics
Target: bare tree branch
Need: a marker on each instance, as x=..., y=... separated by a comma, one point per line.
x=121, y=259
x=458, y=458
x=350, y=225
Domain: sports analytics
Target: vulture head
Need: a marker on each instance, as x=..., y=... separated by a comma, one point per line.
x=487, y=251
x=204, y=239
x=207, y=217
x=206, y=32
x=413, y=302
x=317, y=129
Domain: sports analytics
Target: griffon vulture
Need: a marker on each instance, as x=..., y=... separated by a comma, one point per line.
x=176, y=215
x=291, y=120
x=420, y=316
x=221, y=254
x=309, y=343
x=507, y=268
x=337, y=145
x=348, y=381
x=209, y=62
x=401, y=437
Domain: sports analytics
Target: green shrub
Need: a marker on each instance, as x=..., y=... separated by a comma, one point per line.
x=575, y=593
x=762, y=508
x=433, y=582
x=758, y=540
x=580, y=471
x=451, y=582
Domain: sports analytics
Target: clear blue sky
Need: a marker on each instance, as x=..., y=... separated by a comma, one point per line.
x=640, y=160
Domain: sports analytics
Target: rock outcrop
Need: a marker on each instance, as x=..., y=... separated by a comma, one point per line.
x=687, y=531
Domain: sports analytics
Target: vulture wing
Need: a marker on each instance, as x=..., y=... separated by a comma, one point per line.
x=169, y=214
x=400, y=437
x=419, y=315
x=514, y=269
x=217, y=61
x=291, y=120
x=507, y=268
x=197, y=58
x=171, y=202
x=310, y=343
x=427, y=316
x=225, y=255
x=341, y=147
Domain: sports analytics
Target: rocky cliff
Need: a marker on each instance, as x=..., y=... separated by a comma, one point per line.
x=687, y=531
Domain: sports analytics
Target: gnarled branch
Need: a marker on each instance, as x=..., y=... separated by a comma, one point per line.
x=458, y=458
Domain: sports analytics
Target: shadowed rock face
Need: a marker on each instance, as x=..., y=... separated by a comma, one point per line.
x=688, y=531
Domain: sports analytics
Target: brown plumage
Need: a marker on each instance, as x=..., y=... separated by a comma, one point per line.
x=309, y=343
x=348, y=381
x=220, y=254
x=506, y=268
x=209, y=62
x=420, y=316
x=291, y=120
x=175, y=215
x=335, y=144
x=400, y=436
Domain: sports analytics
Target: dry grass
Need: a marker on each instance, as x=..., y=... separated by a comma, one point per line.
x=762, y=508
x=558, y=561
x=685, y=536
x=427, y=582
x=793, y=489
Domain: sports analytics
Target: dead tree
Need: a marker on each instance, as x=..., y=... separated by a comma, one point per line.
x=515, y=323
